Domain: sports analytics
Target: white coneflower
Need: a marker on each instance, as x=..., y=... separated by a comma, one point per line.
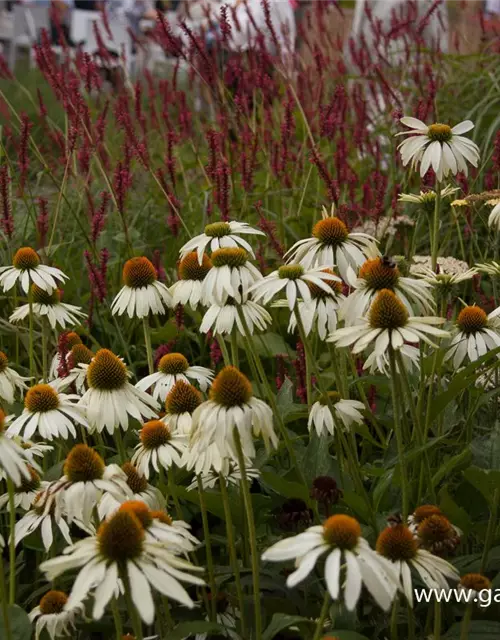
x=232, y=475
x=160, y=527
x=110, y=401
x=159, y=447
x=121, y=551
x=54, y=616
x=187, y=290
x=71, y=339
x=427, y=199
x=295, y=280
x=26, y=493
x=142, y=293
x=444, y=282
x=437, y=535
x=233, y=406
x=204, y=460
x=231, y=276
x=223, y=319
x=10, y=380
x=475, y=334
x=49, y=413
x=474, y=584
x=180, y=405
x=439, y=146
x=320, y=314
x=387, y=325
x=173, y=367
x=220, y=235
x=77, y=375
x=383, y=273
x=491, y=268
x=332, y=245
x=350, y=562
x=346, y=413
x=494, y=217
x=31, y=450
x=14, y=459
x=45, y=514
x=398, y=545
x=48, y=305
x=26, y=268
x=86, y=478
x=140, y=490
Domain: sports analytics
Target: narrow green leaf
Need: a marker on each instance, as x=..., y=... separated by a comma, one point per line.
x=281, y=621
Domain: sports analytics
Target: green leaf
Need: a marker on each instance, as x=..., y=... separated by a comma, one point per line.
x=188, y=629
x=460, y=461
x=484, y=480
x=478, y=630
x=284, y=487
x=281, y=621
x=453, y=511
x=357, y=504
x=20, y=625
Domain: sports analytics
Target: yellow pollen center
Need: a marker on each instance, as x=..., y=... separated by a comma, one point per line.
x=83, y=464
x=434, y=529
x=331, y=231
x=53, y=602
x=41, y=398
x=229, y=257
x=319, y=293
x=106, y=371
x=475, y=581
x=26, y=258
x=162, y=516
x=4, y=362
x=291, y=271
x=424, y=511
x=183, y=398
x=140, y=510
x=440, y=132
x=173, y=363
x=31, y=484
x=333, y=396
x=40, y=296
x=121, y=537
x=342, y=531
x=397, y=543
x=379, y=273
x=72, y=338
x=191, y=269
x=472, y=319
x=80, y=354
x=138, y=273
x=387, y=311
x=135, y=480
x=154, y=434
x=231, y=388
x=217, y=229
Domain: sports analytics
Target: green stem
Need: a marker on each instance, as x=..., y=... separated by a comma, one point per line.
x=437, y=620
x=466, y=620
x=411, y=622
x=232, y=551
x=172, y=492
x=118, y=621
x=359, y=385
x=12, y=543
x=147, y=342
x=5, y=604
x=122, y=454
x=252, y=535
x=435, y=227
x=234, y=350
x=394, y=619
x=399, y=434
x=208, y=547
x=31, y=348
x=490, y=531
x=45, y=355
x=134, y=616
x=322, y=617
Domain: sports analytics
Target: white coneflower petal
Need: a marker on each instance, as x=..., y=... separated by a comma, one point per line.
x=333, y=245
x=120, y=550
x=475, y=334
x=54, y=616
x=111, y=401
x=346, y=413
x=438, y=146
x=173, y=367
x=48, y=305
x=224, y=319
x=26, y=269
x=231, y=276
x=219, y=235
x=142, y=293
x=159, y=448
x=10, y=381
x=188, y=289
x=49, y=413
